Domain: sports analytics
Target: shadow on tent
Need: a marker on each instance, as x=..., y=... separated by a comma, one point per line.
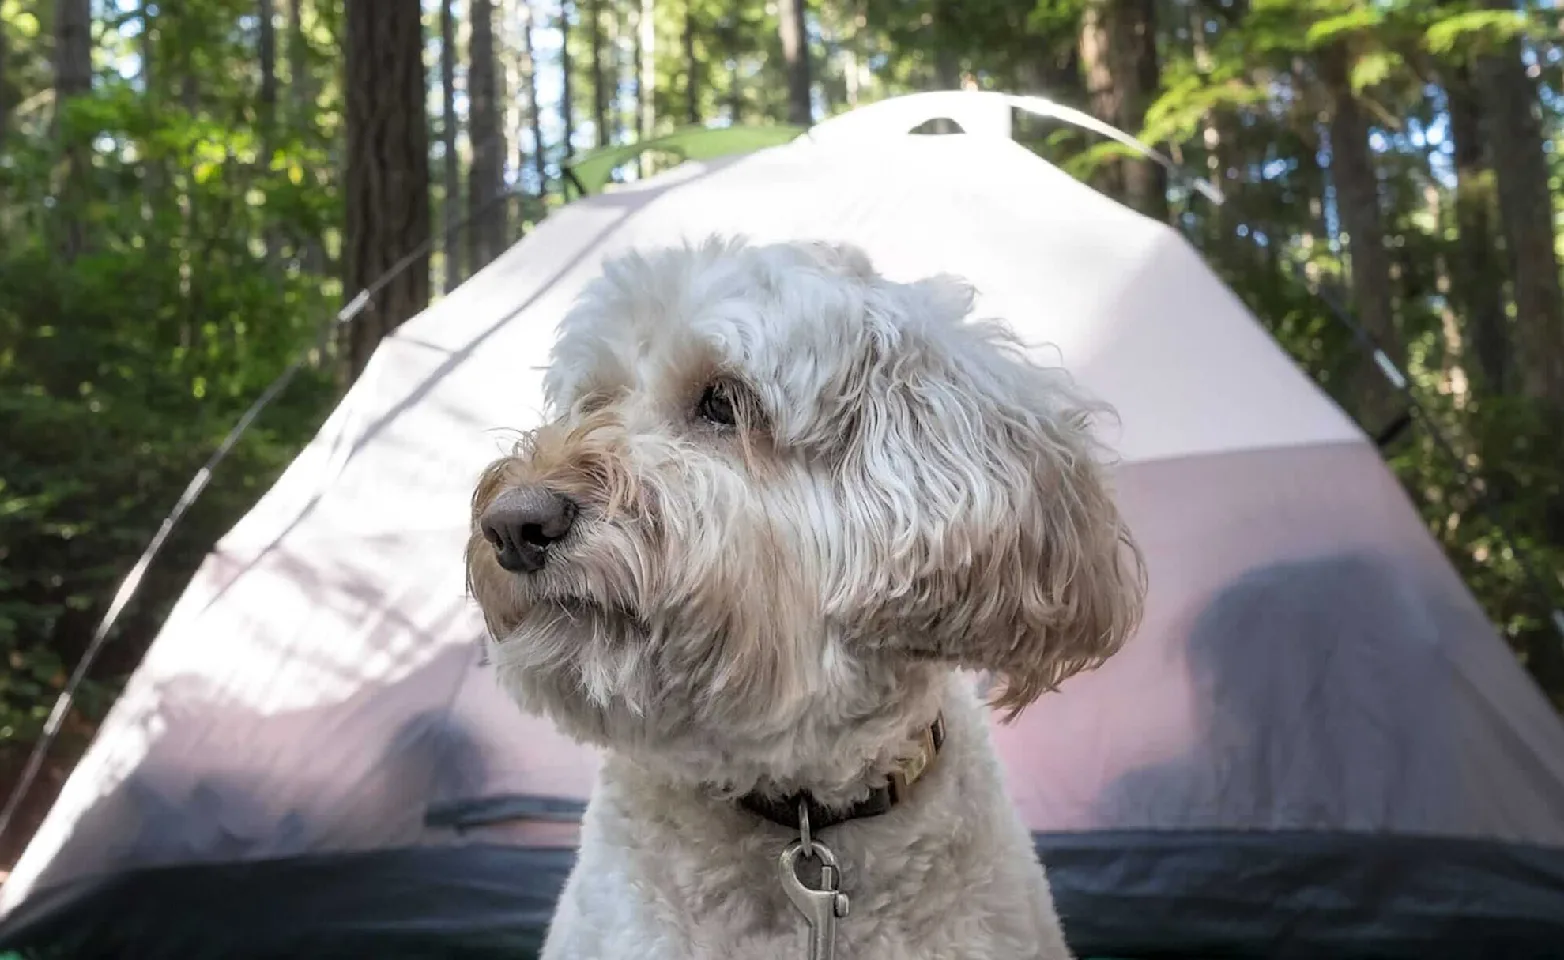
x=1301, y=671
x=225, y=840
x=1326, y=807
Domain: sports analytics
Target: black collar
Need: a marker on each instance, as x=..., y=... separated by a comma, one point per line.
x=783, y=811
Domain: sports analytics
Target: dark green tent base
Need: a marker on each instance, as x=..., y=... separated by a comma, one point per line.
x=1130, y=895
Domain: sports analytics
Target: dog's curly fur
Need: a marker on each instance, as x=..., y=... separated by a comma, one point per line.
x=780, y=603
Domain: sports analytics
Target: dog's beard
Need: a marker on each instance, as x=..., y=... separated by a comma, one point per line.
x=590, y=643
x=616, y=657
x=577, y=622
x=576, y=648
x=608, y=676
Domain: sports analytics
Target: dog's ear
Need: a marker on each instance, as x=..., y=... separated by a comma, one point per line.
x=1003, y=547
x=1073, y=569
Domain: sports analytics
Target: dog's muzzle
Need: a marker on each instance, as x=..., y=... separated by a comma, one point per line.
x=523, y=523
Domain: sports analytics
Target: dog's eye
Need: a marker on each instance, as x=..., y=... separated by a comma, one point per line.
x=716, y=405
x=594, y=401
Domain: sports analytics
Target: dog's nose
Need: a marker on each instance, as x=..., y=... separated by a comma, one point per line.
x=522, y=523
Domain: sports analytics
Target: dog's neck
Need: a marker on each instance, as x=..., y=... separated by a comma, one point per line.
x=870, y=764
x=799, y=808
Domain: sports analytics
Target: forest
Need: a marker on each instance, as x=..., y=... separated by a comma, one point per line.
x=190, y=191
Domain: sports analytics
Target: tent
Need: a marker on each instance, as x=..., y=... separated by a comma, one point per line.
x=1315, y=746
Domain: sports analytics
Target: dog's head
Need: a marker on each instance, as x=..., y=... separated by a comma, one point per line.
x=779, y=497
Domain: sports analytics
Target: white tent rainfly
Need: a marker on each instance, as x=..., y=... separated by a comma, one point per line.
x=1316, y=745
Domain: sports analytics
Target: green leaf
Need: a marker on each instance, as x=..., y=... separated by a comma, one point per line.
x=1486, y=28
x=1375, y=68
x=1335, y=28
x=1182, y=110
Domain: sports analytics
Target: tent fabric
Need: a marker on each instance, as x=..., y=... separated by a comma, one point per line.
x=1311, y=675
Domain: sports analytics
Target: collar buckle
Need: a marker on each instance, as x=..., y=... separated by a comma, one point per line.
x=909, y=770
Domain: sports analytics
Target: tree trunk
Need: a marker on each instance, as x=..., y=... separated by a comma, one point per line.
x=1520, y=166
x=301, y=97
x=486, y=177
x=947, y=69
x=1476, y=273
x=144, y=48
x=1102, y=94
x=266, y=112
x=5, y=97
x=1219, y=134
x=190, y=264
x=852, y=67
x=1135, y=36
x=795, y=57
x=72, y=51
x=529, y=79
x=507, y=110
x=511, y=94
x=619, y=71
x=946, y=74
x=267, y=105
x=599, y=90
x=1118, y=52
x=72, y=79
x=1358, y=209
x=1056, y=74
x=646, y=86
x=300, y=82
x=832, y=51
x=387, y=179
x=692, y=103
x=946, y=37
x=452, y=241
x=639, y=89
x=735, y=91
x=567, y=110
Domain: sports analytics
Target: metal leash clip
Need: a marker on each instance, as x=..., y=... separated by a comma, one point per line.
x=821, y=907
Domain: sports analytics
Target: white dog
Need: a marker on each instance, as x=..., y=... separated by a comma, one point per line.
x=779, y=503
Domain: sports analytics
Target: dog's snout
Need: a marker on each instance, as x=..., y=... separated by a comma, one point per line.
x=522, y=523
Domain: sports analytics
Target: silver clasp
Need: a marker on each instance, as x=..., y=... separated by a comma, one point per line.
x=822, y=907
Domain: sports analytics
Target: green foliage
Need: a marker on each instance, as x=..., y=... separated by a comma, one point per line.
x=1332, y=29
x=1464, y=34
x=1375, y=68
x=110, y=408
x=122, y=367
x=1188, y=101
x=1250, y=105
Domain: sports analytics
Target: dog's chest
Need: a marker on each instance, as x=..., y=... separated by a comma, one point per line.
x=740, y=930
x=679, y=902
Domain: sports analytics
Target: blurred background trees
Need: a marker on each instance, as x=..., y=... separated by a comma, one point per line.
x=190, y=190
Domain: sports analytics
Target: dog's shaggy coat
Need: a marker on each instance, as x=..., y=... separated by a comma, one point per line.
x=806, y=498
